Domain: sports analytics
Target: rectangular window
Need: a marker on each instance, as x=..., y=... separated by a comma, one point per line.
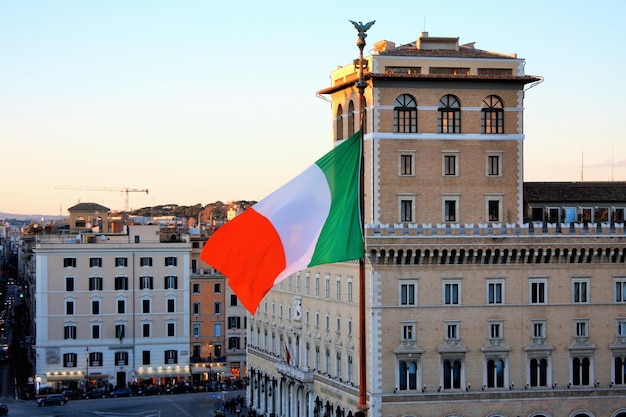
x=538, y=291
x=121, y=306
x=349, y=291
x=196, y=309
x=145, y=330
x=450, y=167
x=95, y=262
x=234, y=322
x=95, y=359
x=196, y=330
x=217, y=308
x=95, y=307
x=95, y=331
x=69, y=283
x=171, y=357
x=327, y=287
x=195, y=289
x=145, y=357
x=406, y=210
x=217, y=288
x=121, y=262
x=307, y=284
x=450, y=210
x=121, y=358
x=494, y=209
x=539, y=329
x=406, y=164
x=493, y=165
x=495, y=292
x=146, y=283
x=408, y=294
x=171, y=282
x=217, y=330
x=338, y=290
x=69, y=308
x=69, y=360
x=70, y=332
x=233, y=342
x=452, y=293
x=581, y=328
x=171, y=329
x=170, y=261
x=145, y=261
x=580, y=291
x=121, y=283
x=145, y=306
x=120, y=331
x=95, y=284
x=495, y=330
x=317, y=285
x=233, y=300
x=620, y=290
x=69, y=262
x=171, y=305
x=408, y=331
x=452, y=330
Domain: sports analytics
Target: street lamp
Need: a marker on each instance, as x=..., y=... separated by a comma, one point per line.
x=87, y=361
x=211, y=364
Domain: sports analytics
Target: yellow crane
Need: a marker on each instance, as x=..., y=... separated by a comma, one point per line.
x=124, y=190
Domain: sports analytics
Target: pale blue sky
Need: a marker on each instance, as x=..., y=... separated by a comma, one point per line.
x=201, y=101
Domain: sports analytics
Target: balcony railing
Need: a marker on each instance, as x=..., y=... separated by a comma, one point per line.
x=302, y=375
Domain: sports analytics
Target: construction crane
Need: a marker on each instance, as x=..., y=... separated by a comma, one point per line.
x=125, y=190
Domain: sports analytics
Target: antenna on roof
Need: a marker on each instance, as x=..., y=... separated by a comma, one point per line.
x=582, y=166
x=612, y=143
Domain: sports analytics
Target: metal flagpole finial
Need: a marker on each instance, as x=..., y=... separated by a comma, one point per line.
x=362, y=28
x=360, y=43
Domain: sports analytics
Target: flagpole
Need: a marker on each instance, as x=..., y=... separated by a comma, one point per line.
x=360, y=64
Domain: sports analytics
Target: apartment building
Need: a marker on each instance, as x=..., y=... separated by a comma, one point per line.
x=111, y=309
x=481, y=299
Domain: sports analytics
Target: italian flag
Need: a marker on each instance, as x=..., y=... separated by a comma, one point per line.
x=314, y=219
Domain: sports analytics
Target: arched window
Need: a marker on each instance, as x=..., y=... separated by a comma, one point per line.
x=351, y=118
x=449, y=120
x=339, y=124
x=580, y=370
x=620, y=370
x=451, y=374
x=407, y=372
x=492, y=115
x=539, y=372
x=405, y=114
x=495, y=373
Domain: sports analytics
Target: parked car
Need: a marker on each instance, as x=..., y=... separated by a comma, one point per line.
x=53, y=399
x=122, y=392
x=97, y=393
x=152, y=391
x=181, y=389
x=4, y=409
x=72, y=395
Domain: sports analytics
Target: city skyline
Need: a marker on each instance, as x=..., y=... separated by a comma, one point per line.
x=200, y=102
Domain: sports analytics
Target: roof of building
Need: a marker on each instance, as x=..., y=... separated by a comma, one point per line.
x=463, y=51
x=561, y=192
x=88, y=207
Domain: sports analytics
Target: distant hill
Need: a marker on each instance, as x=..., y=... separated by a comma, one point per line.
x=28, y=217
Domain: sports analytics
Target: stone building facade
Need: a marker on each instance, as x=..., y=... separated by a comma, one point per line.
x=472, y=309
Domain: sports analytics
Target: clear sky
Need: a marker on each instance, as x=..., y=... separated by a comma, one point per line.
x=200, y=101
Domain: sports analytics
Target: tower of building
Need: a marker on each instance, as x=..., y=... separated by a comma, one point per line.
x=472, y=308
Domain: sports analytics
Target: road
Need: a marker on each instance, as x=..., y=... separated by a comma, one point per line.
x=201, y=404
